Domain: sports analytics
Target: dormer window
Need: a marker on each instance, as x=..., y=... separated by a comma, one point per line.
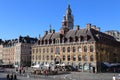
x=57, y=41
x=45, y=41
x=76, y=39
x=53, y=41
x=81, y=38
x=70, y=39
x=50, y=41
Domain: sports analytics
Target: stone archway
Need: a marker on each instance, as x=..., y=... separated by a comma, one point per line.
x=57, y=60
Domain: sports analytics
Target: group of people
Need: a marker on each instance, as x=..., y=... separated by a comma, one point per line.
x=11, y=77
x=21, y=70
x=46, y=72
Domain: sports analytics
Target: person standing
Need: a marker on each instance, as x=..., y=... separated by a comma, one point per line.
x=114, y=78
x=23, y=71
x=8, y=77
x=46, y=72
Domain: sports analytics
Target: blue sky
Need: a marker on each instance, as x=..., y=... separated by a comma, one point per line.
x=33, y=17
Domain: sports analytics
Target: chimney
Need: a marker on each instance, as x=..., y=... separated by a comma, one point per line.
x=77, y=27
x=46, y=32
x=53, y=31
x=94, y=27
x=88, y=26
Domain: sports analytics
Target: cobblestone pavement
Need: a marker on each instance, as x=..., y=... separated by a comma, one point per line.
x=70, y=76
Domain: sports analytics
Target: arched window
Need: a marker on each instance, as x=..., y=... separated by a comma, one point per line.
x=63, y=57
x=43, y=57
x=68, y=49
x=91, y=48
x=39, y=57
x=85, y=58
x=36, y=50
x=91, y=58
x=82, y=38
x=51, y=50
x=79, y=49
x=39, y=50
x=85, y=48
x=68, y=57
x=43, y=50
x=74, y=58
x=74, y=49
x=57, y=50
x=63, y=49
x=47, y=50
x=33, y=50
x=47, y=57
x=51, y=57
x=36, y=57
x=33, y=57
x=79, y=58
x=57, y=41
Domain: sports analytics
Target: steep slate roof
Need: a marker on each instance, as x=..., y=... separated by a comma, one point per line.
x=56, y=35
x=71, y=33
x=81, y=32
x=104, y=38
x=91, y=34
x=48, y=36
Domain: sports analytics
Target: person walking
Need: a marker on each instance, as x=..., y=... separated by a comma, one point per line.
x=46, y=72
x=20, y=71
x=114, y=78
x=23, y=72
x=8, y=77
x=14, y=77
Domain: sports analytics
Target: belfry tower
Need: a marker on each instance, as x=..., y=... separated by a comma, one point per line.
x=68, y=20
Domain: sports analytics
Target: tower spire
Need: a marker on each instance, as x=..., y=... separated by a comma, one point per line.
x=68, y=20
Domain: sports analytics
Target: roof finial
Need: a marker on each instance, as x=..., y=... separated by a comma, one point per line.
x=39, y=36
x=68, y=3
x=50, y=28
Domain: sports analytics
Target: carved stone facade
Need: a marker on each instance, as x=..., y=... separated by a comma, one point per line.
x=84, y=49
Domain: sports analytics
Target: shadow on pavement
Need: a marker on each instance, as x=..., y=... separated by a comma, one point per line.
x=3, y=79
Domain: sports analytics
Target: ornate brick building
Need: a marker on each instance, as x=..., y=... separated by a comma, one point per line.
x=17, y=51
x=84, y=48
x=114, y=33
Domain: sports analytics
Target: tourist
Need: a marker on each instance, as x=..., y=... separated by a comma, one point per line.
x=15, y=77
x=11, y=77
x=46, y=72
x=23, y=71
x=20, y=71
x=114, y=78
x=8, y=77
